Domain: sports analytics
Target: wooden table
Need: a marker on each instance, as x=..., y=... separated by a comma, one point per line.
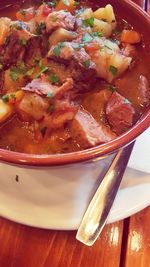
x=122, y=244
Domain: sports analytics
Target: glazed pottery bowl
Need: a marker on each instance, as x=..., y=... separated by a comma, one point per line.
x=77, y=172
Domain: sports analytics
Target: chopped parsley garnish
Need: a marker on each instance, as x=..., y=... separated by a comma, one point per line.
x=126, y=101
x=23, y=41
x=86, y=63
x=50, y=95
x=40, y=28
x=54, y=78
x=30, y=72
x=88, y=22
x=97, y=34
x=14, y=73
x=43, y=69
x=76, y=3
x=5, y=98
x=57, y=49
x=51, y=4
x=80, y=11
x=87, y=37
x=23, y=12
x=43, y=131
x=112, y=88
x=21, y=67
x=51, y=108
x=113, y=70
x=66, y=2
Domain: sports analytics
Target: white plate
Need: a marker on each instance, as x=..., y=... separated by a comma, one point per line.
x=140, y=158
x=31, y=205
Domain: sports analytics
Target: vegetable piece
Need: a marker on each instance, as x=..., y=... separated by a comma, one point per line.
x=86, y=13
x=130, y=36
x=68, y=5
x=25, y=14
x=14, y=97
x=61, y=35
x=103, y=27
x=11, y=85
x=6, y=111
x=106, y=13
x=4, y=29
x=88, y=22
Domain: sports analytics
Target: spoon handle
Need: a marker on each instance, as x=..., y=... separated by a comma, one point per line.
x=97, y=212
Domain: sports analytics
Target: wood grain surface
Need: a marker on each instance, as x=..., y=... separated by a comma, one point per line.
x=122, y=244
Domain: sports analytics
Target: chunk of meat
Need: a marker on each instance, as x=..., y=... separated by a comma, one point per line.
x=35, y=50
x=26, y=14
x=62, y=112
x=82, y=69
x=144, y=91
x=88, y=132
x=32, y=106
x=120, y=113
x=14, y=46
x=44, y=88
x=41, y=13
x=61, y=19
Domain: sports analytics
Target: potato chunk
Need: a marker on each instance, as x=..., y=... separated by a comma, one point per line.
x=61, y=35
x=6, y=111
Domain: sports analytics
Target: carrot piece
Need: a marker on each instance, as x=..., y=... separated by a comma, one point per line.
x=68, y=5
x=25, y=14
x=91, y=47
x=130, y=36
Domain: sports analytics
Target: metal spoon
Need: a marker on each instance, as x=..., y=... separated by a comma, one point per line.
x=98, y=210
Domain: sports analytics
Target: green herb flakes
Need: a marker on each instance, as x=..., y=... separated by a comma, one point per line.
x=54, y=78
x=43, y=69
x=97, y=34
x=113, y=70
x=5, y=98
x=23, y=41
x=86, y=63
x=23, y=12
x=57, y=49
x=126, y=101
x=66, y=2
x=50, y=108
x=88, y=22
x=87, y=38
x=40, y=28
x=51, y=4
x=30, y=72
x=112, y=88
x=14, y=73
x=50, y=95
x=76, y=3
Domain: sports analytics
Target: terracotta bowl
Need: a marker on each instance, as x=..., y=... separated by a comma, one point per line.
x=84, y=167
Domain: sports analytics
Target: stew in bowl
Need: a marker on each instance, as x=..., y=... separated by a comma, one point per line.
x=73, y=76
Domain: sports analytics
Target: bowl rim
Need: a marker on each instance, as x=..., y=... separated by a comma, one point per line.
x=91, y=154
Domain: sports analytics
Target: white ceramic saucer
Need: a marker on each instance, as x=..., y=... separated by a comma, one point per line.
x=28, y=201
